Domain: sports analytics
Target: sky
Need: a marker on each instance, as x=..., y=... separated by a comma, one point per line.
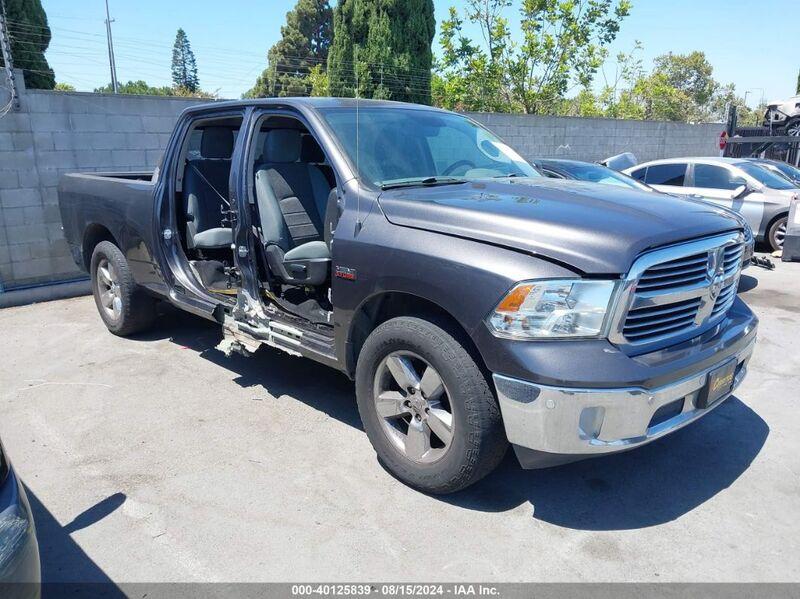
x=230, y=39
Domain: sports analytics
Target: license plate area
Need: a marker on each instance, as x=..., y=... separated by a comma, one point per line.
x=718, y=384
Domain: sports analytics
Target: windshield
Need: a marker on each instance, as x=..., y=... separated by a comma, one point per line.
x=766, y=177
x=786, y=169
x=395, y=145
x=598, y=173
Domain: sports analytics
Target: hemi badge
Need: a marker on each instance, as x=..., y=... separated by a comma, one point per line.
x=348, y=274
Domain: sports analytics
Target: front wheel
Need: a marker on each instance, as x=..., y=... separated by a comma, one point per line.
x=427, y=407
x=777, y=233
x=123, y=306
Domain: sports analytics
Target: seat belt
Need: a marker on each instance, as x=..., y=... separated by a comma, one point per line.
x=207, y=182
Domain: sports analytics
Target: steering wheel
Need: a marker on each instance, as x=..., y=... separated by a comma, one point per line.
x=449, y=170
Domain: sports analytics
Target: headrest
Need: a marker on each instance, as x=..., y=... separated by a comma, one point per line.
x=311, y=152
x=217, y=142
x=282, y=145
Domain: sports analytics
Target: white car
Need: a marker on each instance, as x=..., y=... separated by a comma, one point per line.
x=784, y=114
x=761, y=196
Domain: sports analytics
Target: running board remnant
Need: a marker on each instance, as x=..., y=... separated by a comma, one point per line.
x=244, y=339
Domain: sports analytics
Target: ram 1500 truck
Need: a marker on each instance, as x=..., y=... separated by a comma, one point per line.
x=475, y=303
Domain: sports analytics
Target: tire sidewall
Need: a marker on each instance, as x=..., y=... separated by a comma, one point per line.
x=773, y=229
x=110, y=252
x=436, y=347
x=138, y=309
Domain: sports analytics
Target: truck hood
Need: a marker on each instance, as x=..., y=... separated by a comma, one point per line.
x=594, y=228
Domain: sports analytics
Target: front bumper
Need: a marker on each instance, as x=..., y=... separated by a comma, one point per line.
x=550, y=425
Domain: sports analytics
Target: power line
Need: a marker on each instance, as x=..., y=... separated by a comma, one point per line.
x=5, y=48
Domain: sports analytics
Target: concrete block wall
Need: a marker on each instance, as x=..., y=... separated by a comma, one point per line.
x=54, y=133
x=596, y=139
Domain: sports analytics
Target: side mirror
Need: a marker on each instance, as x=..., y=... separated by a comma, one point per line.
x=740, y=192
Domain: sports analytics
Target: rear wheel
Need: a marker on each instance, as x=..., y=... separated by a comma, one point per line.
x=427, y=407
x=123, y=306
x=777, y=233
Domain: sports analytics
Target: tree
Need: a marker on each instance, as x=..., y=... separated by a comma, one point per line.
x=303, y=47
x=30, y=37
x=64, y=87
x=382, y=49
x=140, y=88
x=692, y=74
x=797, y=86
x=563, y=44
x=184, y=66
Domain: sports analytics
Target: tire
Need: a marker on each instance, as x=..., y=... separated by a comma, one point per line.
x=792, y=127
x=123, y=306
x=477, y=440
x=777, y=232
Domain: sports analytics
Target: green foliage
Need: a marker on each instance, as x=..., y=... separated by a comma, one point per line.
x=296, y=60
x=679, y=88
x=30, y=37
x=382, y=49
x=64, y=87
x=184, y=65
x=140, y=88
x=797, y=86
x=563, y=44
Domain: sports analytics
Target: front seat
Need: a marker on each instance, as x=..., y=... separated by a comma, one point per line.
x=292, y=197
x=205, y=189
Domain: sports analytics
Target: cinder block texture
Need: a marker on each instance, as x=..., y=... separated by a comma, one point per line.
x=54, y=133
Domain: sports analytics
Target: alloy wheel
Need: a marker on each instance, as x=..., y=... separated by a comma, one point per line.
x=780, y=235
x=414, y=408
x=108, y=289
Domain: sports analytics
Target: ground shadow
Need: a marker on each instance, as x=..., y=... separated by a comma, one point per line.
x=272, y=370
x=645, y=487
x=66, y=569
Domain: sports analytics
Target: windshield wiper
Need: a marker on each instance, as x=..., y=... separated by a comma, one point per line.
x=426, y=182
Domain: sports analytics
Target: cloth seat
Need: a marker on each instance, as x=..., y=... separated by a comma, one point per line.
x=292, y=197
x=205, y=189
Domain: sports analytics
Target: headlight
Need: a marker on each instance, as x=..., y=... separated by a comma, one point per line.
x=554, y=308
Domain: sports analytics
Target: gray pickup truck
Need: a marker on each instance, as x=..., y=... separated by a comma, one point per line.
x=475, y=303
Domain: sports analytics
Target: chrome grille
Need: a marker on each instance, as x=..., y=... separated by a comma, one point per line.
x=674, y=274
x=678, y=291
x=658, y=320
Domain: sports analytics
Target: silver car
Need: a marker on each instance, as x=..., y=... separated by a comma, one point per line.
x=761, y=196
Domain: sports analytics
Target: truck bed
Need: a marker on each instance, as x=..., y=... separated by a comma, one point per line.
x=116, y=206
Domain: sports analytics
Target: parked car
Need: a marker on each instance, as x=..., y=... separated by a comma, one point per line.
x=20, y=574
x=575, y=170
x=586, y=171
x=782, y=168
x=760, y=195
x=784, y=114
x=413, y=250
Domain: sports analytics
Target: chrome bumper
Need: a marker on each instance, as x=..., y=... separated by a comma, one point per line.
x=580, y=423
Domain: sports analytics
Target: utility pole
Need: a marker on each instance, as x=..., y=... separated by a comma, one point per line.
x=5, y=47
x=114, y=85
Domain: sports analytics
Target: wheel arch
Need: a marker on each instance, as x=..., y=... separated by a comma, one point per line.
x=92, y=236
x=386, y=305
